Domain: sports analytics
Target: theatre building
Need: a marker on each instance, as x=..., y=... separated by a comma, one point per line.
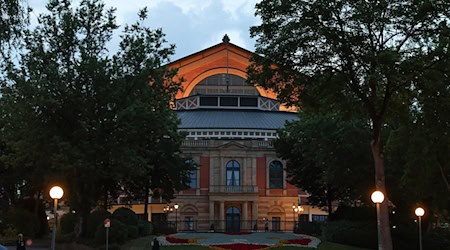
x=230, y=125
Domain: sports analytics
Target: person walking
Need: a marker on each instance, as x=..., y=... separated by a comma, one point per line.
x=266, y=225
x=20, y=243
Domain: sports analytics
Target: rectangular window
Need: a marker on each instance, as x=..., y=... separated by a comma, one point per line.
x=193, y=179
x=229, y=101
x=249, y=102
x=189, y=223
x=208, y=101
x=319, y=218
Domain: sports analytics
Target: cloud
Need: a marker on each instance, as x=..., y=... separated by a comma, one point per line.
x=192, y=25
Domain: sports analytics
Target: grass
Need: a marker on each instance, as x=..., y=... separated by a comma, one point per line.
x=145, y=243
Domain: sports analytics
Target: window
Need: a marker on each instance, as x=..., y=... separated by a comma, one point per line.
x=233, y=173
x=319, y=218
x=276, y=175
x=189, y=223
x=192, y=174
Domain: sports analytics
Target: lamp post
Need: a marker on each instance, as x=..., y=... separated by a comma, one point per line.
x=55, y=193
x=419, y=213
x=294, y=211
x=377, y=198
x=176, y=216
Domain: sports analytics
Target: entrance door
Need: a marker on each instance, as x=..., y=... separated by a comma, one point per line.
x=233, y=220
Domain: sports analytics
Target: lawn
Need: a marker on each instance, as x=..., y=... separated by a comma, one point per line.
x=145, y=243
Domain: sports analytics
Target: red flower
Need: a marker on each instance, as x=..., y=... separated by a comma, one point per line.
x=176, y=240
x=299, y=241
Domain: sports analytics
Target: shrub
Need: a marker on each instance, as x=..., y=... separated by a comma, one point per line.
x=8, y=235
x=67, y=223
x=118, y=233
x=354, y=233
x=310, y=228
x=126, y=216
x=133, y=232
x=145, y=228
x=23, y=221
x=95, y=219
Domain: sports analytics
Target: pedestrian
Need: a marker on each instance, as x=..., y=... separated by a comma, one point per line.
x=20, y=243
x=266, y=225
x=155, y=244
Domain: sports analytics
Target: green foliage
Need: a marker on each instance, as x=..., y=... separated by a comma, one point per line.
x=23, y=221
x=67, y=223
x=8, y=234
x=118, y=233
x=133, y=232
x=353, y=233
x=95, y=219
x=126, y=216
x=327, y=156
x=72, y=112
x=352, y=213
x=145, y=228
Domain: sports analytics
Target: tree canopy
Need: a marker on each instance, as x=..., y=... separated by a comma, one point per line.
x=97, y=123
x=327, y=157
x=354, y=56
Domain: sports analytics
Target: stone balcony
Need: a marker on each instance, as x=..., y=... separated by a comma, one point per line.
x=233, y=189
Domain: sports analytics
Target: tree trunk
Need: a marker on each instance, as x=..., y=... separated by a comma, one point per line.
x=385, y=231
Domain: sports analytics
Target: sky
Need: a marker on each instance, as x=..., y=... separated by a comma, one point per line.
x=192, y=25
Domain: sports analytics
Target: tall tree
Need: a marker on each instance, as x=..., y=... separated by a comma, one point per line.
x=71, y=110
x=372, y=50
x=328, y=157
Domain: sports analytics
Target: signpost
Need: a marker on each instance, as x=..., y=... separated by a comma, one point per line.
x=107, y=226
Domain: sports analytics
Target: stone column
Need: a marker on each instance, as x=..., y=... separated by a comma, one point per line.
x=245, y=217
x=222, y=216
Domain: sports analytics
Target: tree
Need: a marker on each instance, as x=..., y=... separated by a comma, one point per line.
x=369, y=51
x=327, y=157
x=13, y=17
x=72, y=112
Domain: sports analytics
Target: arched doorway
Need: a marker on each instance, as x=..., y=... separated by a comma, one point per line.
x=233, y=220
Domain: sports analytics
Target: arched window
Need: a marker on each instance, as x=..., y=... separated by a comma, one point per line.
x=276, y=175
x=233, y=173
x=224, y=83
x=193, y=172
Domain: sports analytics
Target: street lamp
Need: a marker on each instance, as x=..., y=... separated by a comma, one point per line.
x=419, y=213
x=176, y=216
x=294, y=211
x=55, y=193
x=377, y=198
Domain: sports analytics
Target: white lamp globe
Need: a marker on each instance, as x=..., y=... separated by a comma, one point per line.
x=56, y=192
x=419, y=211
x=377, y=197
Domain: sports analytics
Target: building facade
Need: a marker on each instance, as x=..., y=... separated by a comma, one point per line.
x=239, y=183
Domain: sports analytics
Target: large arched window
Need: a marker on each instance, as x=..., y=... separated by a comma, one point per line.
x=193, y=172
x=224, y=83
x=233, y=173
x=276, y=175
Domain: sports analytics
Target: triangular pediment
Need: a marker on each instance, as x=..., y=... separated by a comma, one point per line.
x=232, y=145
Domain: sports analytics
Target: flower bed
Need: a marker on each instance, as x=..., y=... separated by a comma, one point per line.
x=239, y=246
x=179, y=241
x=299, y=241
